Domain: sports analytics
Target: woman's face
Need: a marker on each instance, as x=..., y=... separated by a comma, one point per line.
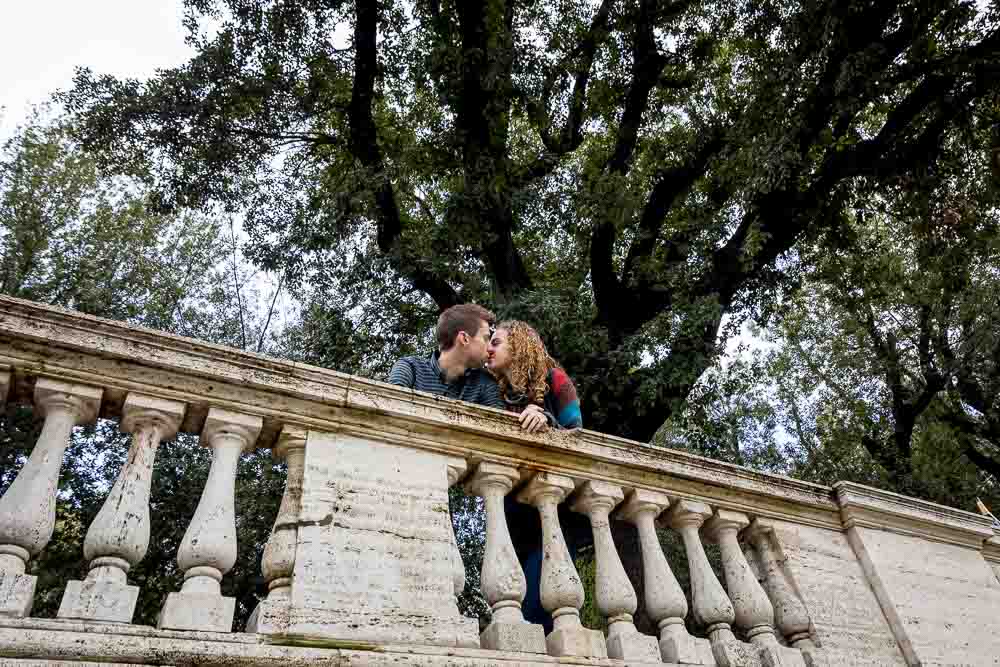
x=498, y=352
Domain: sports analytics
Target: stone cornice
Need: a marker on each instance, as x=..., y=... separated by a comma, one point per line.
x=42, y=340
x=868, y=507
x=991, y=548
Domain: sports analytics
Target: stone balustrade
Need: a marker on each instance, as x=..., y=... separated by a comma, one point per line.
x=362, y=564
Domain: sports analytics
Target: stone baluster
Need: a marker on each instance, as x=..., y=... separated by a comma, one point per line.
x=665, y=601
x=753, y=609
x=208, y=549
x=278, y=561
x=709, y=602
x=28, y=508
x=561, y=590
x=503, y=581
x=119, y=535
x=790, y=613
x=614, y=594
x=456, y=468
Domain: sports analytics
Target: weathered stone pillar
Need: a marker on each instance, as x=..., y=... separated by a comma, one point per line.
x=561, y=589
x=665, y=602
x=208, y=549
x=374, y=559
x=614, y=594
x=119, y=535
x=278, y=561
x=790, y=614
x=709, y=603
x=28, y=508
x=754, y=612
x=503, y=581
x=456, y=469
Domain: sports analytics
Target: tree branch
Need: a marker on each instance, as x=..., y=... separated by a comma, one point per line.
x=482, y=114
x=270, y=312
x=364, y=147
x=236, y=288
x=669, y=187
x=571, y=135
x=647, y=63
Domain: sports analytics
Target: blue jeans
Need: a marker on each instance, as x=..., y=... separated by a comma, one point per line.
x=532, y=606
x=526, y=534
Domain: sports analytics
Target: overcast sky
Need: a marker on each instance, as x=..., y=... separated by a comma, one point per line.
x=41, y=41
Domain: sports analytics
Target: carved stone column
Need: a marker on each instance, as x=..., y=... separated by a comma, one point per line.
x=502, y=577
x=208, y=549
x=561, y=590
x=790, y=613
x=119, y=535
x=278, y=561
x=614, y=594
x=754, y=612
x=665, y=602
x=28, y=508
x=456, y=469
x=709, y=602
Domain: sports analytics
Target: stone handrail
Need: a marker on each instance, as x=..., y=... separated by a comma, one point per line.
x=362, y=564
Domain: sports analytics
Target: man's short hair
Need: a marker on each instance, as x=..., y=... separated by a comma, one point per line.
x=463, y=317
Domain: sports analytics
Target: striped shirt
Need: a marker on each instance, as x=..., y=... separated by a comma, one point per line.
x=424, y=374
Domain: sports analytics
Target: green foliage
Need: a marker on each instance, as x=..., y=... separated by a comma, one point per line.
x=69, y=237
x=884, y=367
x=729, y=416
x=469, y=522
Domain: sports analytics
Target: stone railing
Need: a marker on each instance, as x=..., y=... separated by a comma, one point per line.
x=362, y=563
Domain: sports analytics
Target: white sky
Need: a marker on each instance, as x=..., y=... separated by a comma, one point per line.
x=42, y=41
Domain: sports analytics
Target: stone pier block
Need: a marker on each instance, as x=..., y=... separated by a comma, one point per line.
x=271, y=615
x=197, y=611
x=633, y=647
x=815, y=657
x=782, y=656
x=579, y=642
x=520, y=637
x=17, y=593
x=373, y=555
x=734, y=653
x=676, y=645
x=104, y=601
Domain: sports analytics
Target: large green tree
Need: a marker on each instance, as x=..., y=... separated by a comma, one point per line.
x=623, y=173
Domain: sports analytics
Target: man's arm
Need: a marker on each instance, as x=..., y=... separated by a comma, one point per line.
x=402, y=373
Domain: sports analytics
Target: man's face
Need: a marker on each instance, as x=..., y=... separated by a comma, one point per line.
x=476, y=348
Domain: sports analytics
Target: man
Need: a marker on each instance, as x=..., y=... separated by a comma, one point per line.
x=455, y=369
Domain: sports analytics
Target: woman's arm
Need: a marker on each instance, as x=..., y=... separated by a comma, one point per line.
x=565, y=404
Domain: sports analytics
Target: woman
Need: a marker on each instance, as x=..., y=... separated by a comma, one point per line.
x=531, y=382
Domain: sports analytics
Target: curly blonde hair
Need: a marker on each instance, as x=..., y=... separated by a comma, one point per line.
x=530, y=364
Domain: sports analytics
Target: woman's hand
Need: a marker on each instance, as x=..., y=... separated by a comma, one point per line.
x=533, y=419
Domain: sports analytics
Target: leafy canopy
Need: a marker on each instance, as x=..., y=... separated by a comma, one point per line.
x=623, y=173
